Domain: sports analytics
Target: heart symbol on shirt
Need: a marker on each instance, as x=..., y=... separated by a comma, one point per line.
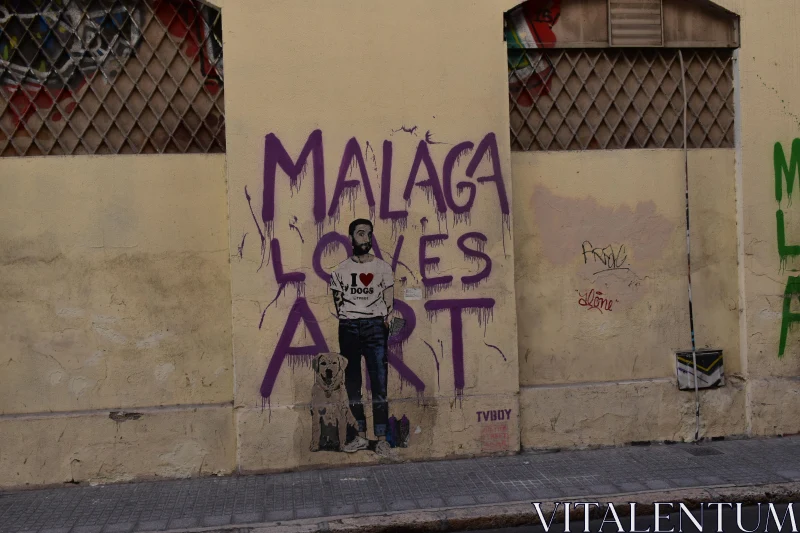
x=366, y=279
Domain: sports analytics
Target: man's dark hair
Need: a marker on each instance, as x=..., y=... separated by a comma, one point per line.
x=357, y=222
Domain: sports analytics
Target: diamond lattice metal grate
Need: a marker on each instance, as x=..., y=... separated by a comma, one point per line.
x=619, y=98
x=110, y=77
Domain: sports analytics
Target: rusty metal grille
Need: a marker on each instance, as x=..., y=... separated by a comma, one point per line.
x=110, y=77
x=619, y=98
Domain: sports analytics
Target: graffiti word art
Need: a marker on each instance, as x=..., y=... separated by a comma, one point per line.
x=594, y=300
x=494, y=415
x=611, y=258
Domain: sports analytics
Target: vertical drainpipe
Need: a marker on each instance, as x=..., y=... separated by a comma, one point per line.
x=740, y=257
x=688, y=247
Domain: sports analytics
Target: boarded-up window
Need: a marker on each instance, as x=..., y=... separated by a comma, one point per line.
x=620, y=98
x=601, y=79
x=110, y=76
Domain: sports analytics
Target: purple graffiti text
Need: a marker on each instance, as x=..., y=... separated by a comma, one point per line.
x=300, y=312
x=281, y=276
x=352, y=156
x=456, y=307
x=426, y=263
x=494, y=415
x=276, y=155
x=473, y=254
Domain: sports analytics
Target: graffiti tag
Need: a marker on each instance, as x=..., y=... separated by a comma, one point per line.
x=494, y=415
x=611, y=258
x=594, y=300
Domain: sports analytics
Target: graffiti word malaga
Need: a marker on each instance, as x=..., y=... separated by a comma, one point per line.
x=275, y=155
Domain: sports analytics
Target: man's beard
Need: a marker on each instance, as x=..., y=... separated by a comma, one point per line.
x=361, y=249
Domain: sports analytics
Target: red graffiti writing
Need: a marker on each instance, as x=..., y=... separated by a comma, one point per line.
x=594, y=300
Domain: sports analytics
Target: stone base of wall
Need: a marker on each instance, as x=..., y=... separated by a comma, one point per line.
x=64, y=448
x=617, y=413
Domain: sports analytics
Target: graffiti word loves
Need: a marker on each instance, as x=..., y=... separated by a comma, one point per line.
x=494, y=415
x=594, y=300
x=611, y=258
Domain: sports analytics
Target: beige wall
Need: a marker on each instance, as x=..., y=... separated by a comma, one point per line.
x=114, y=295
x=123, y=287
x=607, y=375
x=769, y=114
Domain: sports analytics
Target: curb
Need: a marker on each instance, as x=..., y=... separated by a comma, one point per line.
x=512, y=514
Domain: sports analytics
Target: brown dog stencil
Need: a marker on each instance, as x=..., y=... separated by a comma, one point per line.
x=330, y=408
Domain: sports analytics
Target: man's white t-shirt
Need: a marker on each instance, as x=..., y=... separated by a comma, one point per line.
x=362, y=286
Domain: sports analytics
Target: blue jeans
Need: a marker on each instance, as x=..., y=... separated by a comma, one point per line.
x=367, y=337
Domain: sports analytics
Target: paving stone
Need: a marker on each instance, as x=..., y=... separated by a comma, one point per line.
x=710, y=480
x=122, y=527
x=248, y=518
x=430, y=503
x=182, y=523
x=402, y=505
x=657, y=484
x=375, y=507
x=686, y=482
x=632, y=487
x=310, y=512
x=458, y=501
x=276, y=516
x=517, y=495
x=545, y=494
x=343, y=510
x=87, y=529
x=152, y=525
x=209, y=521
x=603, y=489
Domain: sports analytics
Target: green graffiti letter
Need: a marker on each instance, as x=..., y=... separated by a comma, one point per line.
x=789, y=318
x=790, y=170
x=783, y=250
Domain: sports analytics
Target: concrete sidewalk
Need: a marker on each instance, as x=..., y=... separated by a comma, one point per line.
x=427, y=495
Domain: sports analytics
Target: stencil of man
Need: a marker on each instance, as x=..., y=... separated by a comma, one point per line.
x=363, y=293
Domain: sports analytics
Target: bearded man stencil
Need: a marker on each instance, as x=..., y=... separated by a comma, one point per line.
x=363, y=294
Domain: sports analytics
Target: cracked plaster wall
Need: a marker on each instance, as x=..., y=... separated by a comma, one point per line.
x=608, y=376
x=114, y=295
x=770, y=113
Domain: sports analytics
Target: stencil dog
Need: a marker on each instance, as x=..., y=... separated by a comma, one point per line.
x=330, y=408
